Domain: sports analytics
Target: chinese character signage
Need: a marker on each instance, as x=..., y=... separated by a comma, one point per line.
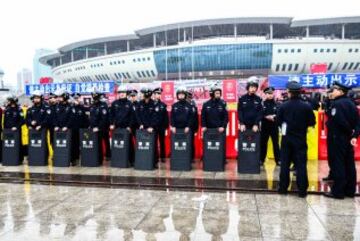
x=167, y=95
x=230, y=90
x=314, y=80
x=80, y=87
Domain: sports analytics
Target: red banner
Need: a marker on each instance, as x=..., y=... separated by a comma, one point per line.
x=167, y=95
x=230, y=90
x=318, y=69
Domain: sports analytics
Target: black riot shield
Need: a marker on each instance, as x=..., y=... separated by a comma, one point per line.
x=11, y=148
x=213, y=150
x=62, y=148
x=145, y=150
x=120, y=150
x=181, y=151
x=38, y=152
x=249, y=152
x=89, y=151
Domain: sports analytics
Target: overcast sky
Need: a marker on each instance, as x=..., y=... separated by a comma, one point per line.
x=26, y=25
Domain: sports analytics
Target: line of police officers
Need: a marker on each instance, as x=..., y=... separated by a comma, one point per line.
x=293, y=116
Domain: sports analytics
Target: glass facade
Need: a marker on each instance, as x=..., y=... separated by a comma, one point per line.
x=214, y=57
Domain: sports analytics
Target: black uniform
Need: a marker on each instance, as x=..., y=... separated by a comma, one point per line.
x=62, y=115
x=51, y=121
x=214, y=114
x=269, y=129
x=79, y=120
x=326, y=105
x=181, y=115
x=297, y=116
x=146, y=117
x=14, y=117
x=38, y=113
x=250, y=111
x=343, y=125
x=121, y=116
x=194, y=125
x=99, y=118
x=162, y=120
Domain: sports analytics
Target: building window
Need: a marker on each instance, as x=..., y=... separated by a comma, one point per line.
x=111, y=63
x=321, y=50
x=329, y=66
x=128, y=75
x=351, y=65
x=356, y=50
x=296, y=67
x=107, y=76
x=345, y=65
x=277, y=67
x=290, y=67
x=299, y=50
x=328, y=51
x=350, y=50
x=123, y=74
x=286, y=50
x=148, y=73
x=357, y=65
x=143, y=73
x=283, y=67
x=134, y=60
x=315, y=50
x=153, y=73
x=334, y=50
x=139, y=60
x=292, y=50
x=279, y=51
x=144, y=59
x=138, y=74
x=149, y=58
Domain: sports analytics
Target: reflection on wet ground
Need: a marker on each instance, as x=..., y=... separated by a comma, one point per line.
x=163, y=178
x=47, y=212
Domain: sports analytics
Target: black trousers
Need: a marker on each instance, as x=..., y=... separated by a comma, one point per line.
x=75, y=145
x=294, y=149
x=330, y=156
x=268, y=131
x=342, y=165
x=104, y=137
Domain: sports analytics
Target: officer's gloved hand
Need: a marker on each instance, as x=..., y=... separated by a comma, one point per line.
x=255, y=128
x=38, y=128
x=56, y=128
x=112, y=127
x=33, y=123
x=141, y=127
x=150, y=129
x=64, y=129
x=95, y=129
x=242, y=128
x=203, y=129
x=221, y=129
x=14, y=129
x=187, y=129
x=129, y=129
x=354, y=142
x=173, y=130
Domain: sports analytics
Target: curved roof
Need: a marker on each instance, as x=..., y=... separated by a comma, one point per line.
x=222, y=21
x=325, y=21
x=96, y=41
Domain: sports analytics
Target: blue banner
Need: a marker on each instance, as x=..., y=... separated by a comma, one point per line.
x=81, y=87
x=314, y=80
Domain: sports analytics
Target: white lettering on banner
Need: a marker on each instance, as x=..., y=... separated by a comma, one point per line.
x=107, y=87
x=83, y=87
x=294, y=78
x=31, y=89
x=88, y=88
x=69, y=87
x=63, y=86
x=100, y=87
x=336, y=77
x=42, y=89
x=350, y=80
x=47, y=89
x=52, y=88
x=308, y=81
x=77, y=87
x=322, y=80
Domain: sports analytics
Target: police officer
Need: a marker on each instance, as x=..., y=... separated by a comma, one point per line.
x=79, y=120
x=145, y=115
x=194, y=120
x=249, y=107
x=162, y=119
x=294, y=117
x=37, y=115
x=52, y=102
x=214, y=112
x=99, y=121
x=62, y=115
x=132, y=95
x=181, y=112
x=269, y=127
x=122, y=115
x=326, y=106
x=343, y=131
x=14, y=119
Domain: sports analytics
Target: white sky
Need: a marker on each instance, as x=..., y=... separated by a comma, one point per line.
x=26, y=25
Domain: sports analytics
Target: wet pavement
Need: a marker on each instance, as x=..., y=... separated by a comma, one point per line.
x=104, y=203
x=47, y=212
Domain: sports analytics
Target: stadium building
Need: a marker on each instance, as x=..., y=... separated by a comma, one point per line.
x=213, y=49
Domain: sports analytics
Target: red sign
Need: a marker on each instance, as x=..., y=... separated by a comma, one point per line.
x=318, y=69
x=45, y=80
x=167, y=95
x=230, y=90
